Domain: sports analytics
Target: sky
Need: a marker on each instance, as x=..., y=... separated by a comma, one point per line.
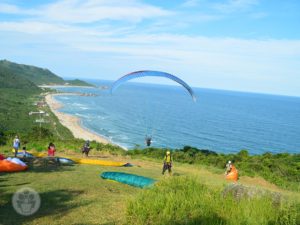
x=243, y=45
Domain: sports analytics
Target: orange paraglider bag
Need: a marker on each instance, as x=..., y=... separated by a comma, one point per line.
x=7, y=166
x=233, y=174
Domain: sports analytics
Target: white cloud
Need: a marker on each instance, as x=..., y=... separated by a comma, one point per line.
x=231, y=6
x=76, y=11
x=190, y=3
x=59, y=28
x=31, y=27
x=89, y=11
x=15, y=10
x=9, y=9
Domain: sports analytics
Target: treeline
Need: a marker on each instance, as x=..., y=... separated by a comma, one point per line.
x=281, y=169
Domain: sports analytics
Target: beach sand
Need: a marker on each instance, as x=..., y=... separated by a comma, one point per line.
x=72, y=122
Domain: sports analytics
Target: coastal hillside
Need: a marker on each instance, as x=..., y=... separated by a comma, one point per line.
x=16, y=95
x=77, y=82
x=19, y=96
x=37, y=75
x=10, y=80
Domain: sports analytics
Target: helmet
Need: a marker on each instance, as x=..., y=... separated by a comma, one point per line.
x=229, y=162
x=168, y=152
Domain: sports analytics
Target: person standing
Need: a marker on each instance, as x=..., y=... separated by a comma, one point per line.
x=148, y=141
x=167, y=163
x=16, y=145
x=51, y=150
x=86, y=148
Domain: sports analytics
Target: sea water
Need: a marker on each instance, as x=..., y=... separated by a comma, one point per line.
x=222, y=121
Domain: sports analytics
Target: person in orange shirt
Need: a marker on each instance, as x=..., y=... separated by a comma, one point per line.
x=231, y=172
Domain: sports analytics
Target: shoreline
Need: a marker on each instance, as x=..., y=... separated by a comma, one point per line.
x=63, y=86
x=73, y=123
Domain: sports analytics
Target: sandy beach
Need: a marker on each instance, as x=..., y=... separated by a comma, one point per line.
x=72, y=122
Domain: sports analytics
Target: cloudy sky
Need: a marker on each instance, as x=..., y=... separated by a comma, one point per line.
x=246, y=45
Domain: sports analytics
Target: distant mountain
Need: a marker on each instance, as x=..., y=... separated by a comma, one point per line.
x=77, y=82
x=37, y=75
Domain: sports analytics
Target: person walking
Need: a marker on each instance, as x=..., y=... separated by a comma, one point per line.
x=16, y=145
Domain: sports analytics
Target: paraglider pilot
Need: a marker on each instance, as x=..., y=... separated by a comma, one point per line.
x=148, y=141
x=229, y=166
x=231, y=172
x=86, y=148
x=167, y=163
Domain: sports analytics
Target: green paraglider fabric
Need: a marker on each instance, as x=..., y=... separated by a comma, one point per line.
x=130, y=179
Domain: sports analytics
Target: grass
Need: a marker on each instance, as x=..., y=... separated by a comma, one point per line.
x=281, y=169
x=184, y=200
x=77, y=195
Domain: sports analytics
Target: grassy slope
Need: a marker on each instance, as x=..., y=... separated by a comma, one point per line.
x=76, y=195
x=281, y=169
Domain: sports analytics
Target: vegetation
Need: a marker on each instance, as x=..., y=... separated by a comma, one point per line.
x=12, y=81
x=16, y=104
x=14, y=108
x=280, y=169
x=76, y=194
x=36, y=75
x=78, y=82
x=19, y=94
x=183, y=200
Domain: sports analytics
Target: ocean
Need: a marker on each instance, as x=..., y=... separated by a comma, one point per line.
x=221, y=121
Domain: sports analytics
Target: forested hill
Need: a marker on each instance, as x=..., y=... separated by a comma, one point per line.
x=36, y=75
x=19, y=93
x=77, y=82
x=12, y=81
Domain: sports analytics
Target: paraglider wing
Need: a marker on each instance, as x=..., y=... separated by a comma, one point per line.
x=147, y=73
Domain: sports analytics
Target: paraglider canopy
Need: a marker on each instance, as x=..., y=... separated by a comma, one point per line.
x=151, y=73
x=147, y=123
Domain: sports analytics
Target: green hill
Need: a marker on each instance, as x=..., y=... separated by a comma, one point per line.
x=34, y=74
x=18, y=97
x=16, y=93
x=77, y=82
x=10, y=80
x=37, y=75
